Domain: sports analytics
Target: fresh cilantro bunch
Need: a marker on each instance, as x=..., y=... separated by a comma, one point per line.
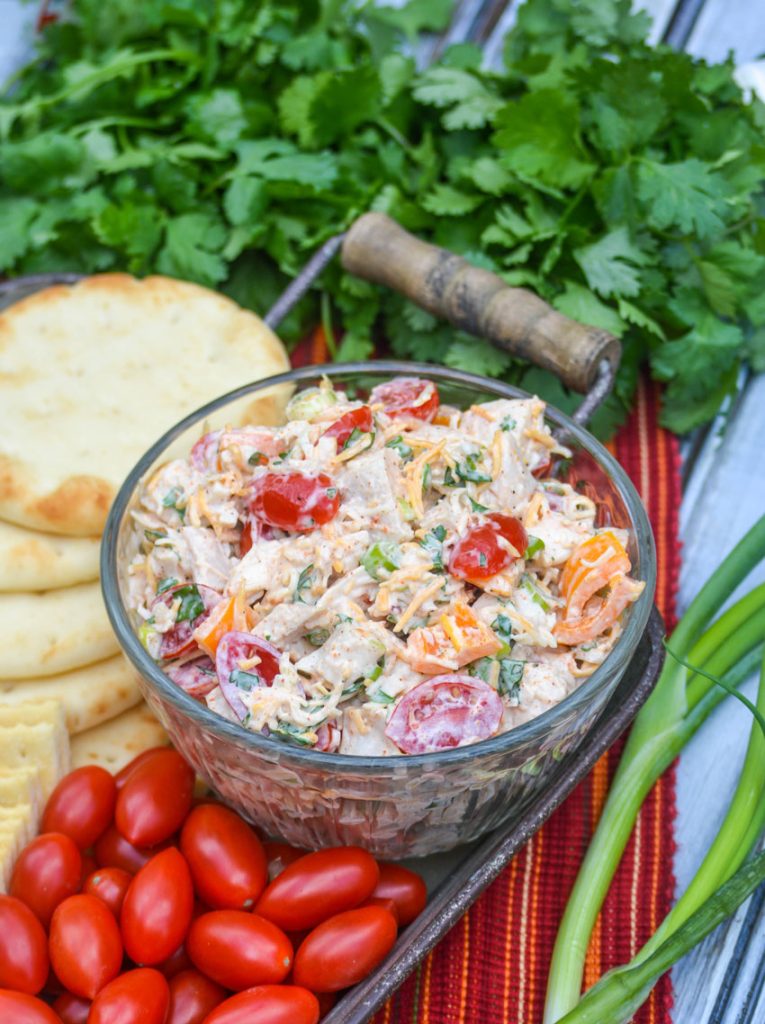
x=223, y=140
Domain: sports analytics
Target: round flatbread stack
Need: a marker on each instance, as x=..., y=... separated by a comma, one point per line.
x=90, y=376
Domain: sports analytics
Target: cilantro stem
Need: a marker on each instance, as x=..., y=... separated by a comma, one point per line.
x=395, y=134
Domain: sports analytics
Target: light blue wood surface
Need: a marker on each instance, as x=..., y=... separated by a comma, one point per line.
x=724, y=494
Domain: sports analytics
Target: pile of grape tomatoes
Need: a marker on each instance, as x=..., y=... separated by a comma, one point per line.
x=138, y=904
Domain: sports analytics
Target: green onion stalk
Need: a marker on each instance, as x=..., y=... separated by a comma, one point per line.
x=619, y=994
x=718, y=887
x=671, y=715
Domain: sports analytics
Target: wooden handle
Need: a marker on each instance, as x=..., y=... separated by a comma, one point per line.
x=380, y=250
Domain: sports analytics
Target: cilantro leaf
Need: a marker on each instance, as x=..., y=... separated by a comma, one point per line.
x=536, y=140
x=192, y=245
x=612, y=264
x=688, y=196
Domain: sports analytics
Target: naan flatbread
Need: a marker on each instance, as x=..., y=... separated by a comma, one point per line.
x=30, y=560
x=88, y=696
x=93, y=373
x=44, y=634
x=118, y=741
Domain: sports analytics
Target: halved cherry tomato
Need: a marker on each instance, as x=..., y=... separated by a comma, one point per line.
x=197, y=678
x=238, y=949
x=23, y=948
x=480, y=553
x=294, y=501
x=319, y=885
x=47, y=871
x=82, y=805
x=20, y=1008
x=109, y=885
x=72, y=1009
x=192, y=997
x=179, y=638
x=445, y=712
x=356, y=419
x=155, y=800
x=343, y=950
x=458, y=638
x=236, y=649
x=85, y=945
x=405, y=888
x=268, y=1004
x=158, y=908
x=204, y=452
x=136, y=997
x=280, y=856
x=114, y=851
x=226, y=858
x=408, y=396
x=124, y=773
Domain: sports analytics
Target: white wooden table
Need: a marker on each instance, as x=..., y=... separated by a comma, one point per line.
x=724, y=493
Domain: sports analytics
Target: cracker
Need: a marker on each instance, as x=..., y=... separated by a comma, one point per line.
x=30, y=560
x=88, y=696
x=12, y=842
x=114, y=362
x=44, y=634
x=118, y=741
x=44, y=746
x=21, y=786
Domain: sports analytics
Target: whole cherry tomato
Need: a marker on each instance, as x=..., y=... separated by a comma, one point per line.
x=444, y=712
x=114, y=851
x=319, y=885
x=481, y=552
x=408, y=396
x=47, y=871
x=405, y=888
x=72, y=1009
x=82, y=805
x=124, y=773
x=358, y=420
x=294, y=501
x=238, y=949
x=84, y=944
x=110, y=886
x=155, y=799
x=89, y=865
x=157, y=910
x=192, y=997
x=177, y=962
x=385, y=903
x=23, y=948
x=268, y=1004
x=135, y=997
x=280, y=856
x=344, y=949
x=20, y=1008
x=226, y=858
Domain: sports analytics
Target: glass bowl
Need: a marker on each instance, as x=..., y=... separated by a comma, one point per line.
x=396, y=807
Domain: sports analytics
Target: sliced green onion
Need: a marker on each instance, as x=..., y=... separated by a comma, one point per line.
x=166, y=583
x=399, y=444
x=192, y=605
x=535, y=545
x=383, y=555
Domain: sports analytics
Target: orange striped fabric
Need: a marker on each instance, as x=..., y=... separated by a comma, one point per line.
x=492, y=967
